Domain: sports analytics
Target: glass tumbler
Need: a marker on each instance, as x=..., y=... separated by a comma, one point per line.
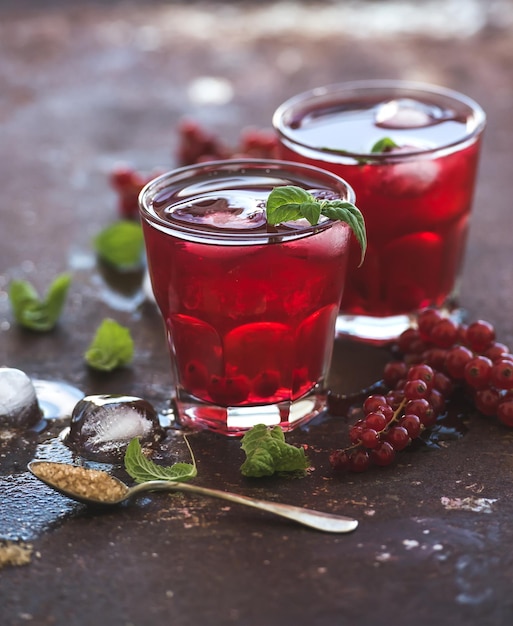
x=410, y=151
x=249, y=309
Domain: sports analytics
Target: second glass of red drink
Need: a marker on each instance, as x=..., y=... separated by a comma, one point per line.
x=410, y=151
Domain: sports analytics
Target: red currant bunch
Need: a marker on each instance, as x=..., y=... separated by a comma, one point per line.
x=127, y=183
x=436, y=357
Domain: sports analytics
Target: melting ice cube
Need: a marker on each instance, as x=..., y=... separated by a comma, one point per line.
x=19, y=407
x=408, y=113
x=409, y=179
x=239, y=211
x=102, y=426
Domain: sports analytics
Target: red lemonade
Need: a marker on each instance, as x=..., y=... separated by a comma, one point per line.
x=411, y=154
x=249, y=309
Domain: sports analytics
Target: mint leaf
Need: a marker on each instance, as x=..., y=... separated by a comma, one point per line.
x=384, y=145
x=111, y=347
x=268, y=453
x=121, y=244
x=33, y=312
x=142, y=469
x=288, y=194
x=290, y=203
x=348, y=213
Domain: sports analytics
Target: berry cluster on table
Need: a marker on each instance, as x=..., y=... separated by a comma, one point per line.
x=436, y=358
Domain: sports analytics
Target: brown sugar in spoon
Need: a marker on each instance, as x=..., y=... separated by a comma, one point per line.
x=98, y=488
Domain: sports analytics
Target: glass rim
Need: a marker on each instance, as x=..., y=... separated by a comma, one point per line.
x=375, y=85
x=222, y=168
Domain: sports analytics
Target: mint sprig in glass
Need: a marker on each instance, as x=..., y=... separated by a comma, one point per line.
x=290, y=203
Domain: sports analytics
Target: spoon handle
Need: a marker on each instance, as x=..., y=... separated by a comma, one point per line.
x=327, y=522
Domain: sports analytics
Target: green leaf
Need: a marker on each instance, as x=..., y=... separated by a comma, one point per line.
x=268, y=453
x=290, y=203
x=121, y=244
x=34, y=313
x=111, y=347
x=284, y=204
x=384, y=145
x=142, y=469
x=311, y=211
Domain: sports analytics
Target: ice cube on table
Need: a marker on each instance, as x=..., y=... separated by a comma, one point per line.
x=102, y=426
x=19, y=407
x=407, y=113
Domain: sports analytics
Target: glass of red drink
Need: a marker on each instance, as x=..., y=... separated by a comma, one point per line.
x=410, y=151
x=249, y=309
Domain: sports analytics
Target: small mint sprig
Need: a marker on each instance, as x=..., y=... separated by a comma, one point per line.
x=384, y=145
x=33, y=312
x=142, y=469
x=121, y=245
x=112, y=346
x=289, y=203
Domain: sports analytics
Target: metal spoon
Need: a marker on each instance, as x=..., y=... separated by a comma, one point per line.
x=327, y=522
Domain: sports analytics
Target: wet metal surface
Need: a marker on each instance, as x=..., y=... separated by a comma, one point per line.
x=85, y=85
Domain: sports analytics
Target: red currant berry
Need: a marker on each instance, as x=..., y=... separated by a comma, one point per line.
x=266, y=383
x=412, y=424
x=359, y=461
x=437, y=401
x=395, y=398
x=421, y=372
x=477, y=372
x=408, y=340
x=426, y=319
x=355, y=432
x=497, y=351
x=339, y=460
x=373, y=403
x=383, y=455
x=505, y=412
x=487, y=401
x=415, y=389
x=444, y=333
x=393, y=372
x=195, y=376
x=443, y=384
x=480, y=335
x=456, y=360
x=398, y=437
x=423, y=409
x=435, y=358
x=369, y=438
x=387, y=411
x=502, y=374
x=376, y=420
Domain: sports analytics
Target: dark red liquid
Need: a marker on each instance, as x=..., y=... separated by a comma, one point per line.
x=416, y=207
x=248, y=324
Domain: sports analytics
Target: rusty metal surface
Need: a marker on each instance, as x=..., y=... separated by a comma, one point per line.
x=85, y=85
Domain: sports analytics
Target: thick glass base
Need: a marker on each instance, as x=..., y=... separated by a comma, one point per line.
x=235, y=421
x=383, y=330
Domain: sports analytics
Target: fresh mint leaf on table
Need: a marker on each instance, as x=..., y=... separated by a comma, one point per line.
x=267, y=453
x=384, y=145
x=142, y=469
x=33, y=312
x=121, y=244
x=111, y=347
x=289, y=203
